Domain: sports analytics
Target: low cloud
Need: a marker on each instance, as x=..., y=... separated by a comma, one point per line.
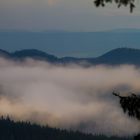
x=70, y=97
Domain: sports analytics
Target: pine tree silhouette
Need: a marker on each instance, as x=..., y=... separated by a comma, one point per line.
x=130, y=105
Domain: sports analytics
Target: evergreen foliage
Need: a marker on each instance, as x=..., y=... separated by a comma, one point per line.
x=130, y=105
x=10, y=130
x=119, y=3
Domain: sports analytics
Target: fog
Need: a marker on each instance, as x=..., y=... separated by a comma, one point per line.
x=71, y=97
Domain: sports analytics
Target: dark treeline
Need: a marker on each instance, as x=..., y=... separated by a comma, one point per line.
x=10, y=130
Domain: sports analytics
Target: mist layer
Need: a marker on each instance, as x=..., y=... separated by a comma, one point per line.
x=70, y=97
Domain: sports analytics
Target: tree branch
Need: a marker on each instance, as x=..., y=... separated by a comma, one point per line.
x=119, y=3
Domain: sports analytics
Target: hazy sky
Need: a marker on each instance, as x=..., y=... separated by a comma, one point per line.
x=70, y=15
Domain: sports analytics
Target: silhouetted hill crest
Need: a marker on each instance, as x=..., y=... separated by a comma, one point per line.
x=4, y=53
x=121, y=56
x=114, y=57
x=35, y=54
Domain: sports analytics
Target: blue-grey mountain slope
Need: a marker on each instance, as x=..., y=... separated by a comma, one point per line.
x=114, y=57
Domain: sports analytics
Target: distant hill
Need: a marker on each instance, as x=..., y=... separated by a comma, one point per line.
x=4, y=54
x=10, y=130
x=126, y=30
x=119, y=56
x=73, y=44
x=114, y=57
x=35, y=54
x=30, y=53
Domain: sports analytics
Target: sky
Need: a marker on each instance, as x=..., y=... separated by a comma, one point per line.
x=64, y=15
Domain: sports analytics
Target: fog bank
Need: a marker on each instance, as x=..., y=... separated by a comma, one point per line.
x=70, y=96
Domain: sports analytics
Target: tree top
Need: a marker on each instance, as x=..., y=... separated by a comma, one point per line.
x=119, y=3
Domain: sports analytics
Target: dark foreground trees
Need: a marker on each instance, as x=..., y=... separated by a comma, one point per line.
x=10, y=130
x=119, y=3
x=130, y=105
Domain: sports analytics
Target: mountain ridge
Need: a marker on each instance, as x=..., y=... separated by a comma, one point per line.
x=116, y=56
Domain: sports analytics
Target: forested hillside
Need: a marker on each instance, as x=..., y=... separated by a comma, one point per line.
x=10, y=130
